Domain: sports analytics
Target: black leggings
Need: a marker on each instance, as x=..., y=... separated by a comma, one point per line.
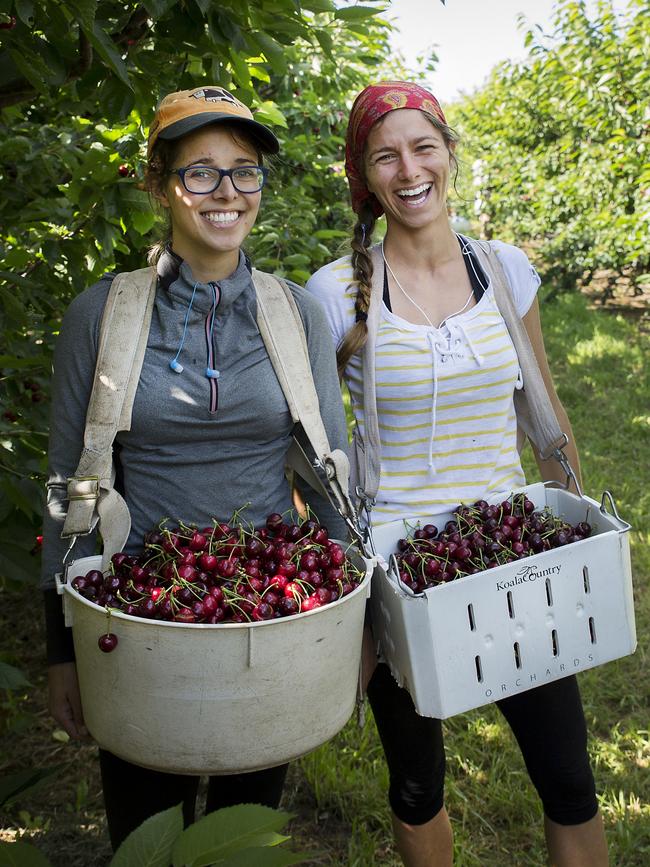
x=133, y=794
x=547, y=722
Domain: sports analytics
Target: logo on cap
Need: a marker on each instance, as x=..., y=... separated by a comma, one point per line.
x=216, y=94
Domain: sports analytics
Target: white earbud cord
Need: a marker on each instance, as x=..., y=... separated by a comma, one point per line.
x=414, y=303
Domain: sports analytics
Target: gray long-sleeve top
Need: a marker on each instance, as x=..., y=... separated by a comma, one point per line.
x=198, y=447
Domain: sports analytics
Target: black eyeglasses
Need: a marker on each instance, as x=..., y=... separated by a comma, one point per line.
x=206, y=179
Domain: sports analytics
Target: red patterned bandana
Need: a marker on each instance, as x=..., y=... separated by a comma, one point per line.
x=371, y=104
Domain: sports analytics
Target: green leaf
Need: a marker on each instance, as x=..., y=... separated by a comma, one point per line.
x=325, y=41
x=13, y=785
x=17, y=565
x=221, y=834
x=240, y=68
x=273, y=52
x=84, y=12
x=299, y=276
x=142, y=221
x=356, y=13
x=21, y=854
x=106, y=48
x=318, y=5
x=295, y=260
x=11, y=678
x=151, y=844
x=18, y=280
x=18, y=495
x=263, y=857
x=32, y=67
x=327, y=234
x=135, y=199
x=268, y=112
x=157, y=8
x=25, y=10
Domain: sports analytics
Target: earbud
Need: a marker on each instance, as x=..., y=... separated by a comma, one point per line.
x=211, y=373
x=176, y=366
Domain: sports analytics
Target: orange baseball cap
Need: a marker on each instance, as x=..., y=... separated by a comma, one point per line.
x=186, y=110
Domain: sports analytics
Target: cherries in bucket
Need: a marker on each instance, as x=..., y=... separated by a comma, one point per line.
x=479, y=537
x=227, y=573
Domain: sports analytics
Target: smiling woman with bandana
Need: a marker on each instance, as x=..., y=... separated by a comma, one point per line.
x=445, y=375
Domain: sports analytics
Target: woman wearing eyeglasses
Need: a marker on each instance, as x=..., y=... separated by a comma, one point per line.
x=211, y=426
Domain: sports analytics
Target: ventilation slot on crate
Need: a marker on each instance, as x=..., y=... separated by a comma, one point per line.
x=555, y=642
x=511, y=605
x=585, y=578
x=517, y=654
x=470, y=614
x=549, y=593
x=479, y=670
x=592, y=630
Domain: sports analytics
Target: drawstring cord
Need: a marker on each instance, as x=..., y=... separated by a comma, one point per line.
x=210, y=371
x=175, y=364
x=432, y=343
x=475, y=354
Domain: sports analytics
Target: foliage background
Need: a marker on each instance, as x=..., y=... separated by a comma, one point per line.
x=559, y=146
x=81, y=81
x=554, y=153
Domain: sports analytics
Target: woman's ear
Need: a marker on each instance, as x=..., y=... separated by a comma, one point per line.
x=160, y=195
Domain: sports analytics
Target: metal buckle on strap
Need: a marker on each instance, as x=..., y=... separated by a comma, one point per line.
x=367, y=504
x=64, y=562
x=563, y=461
x=555, y=448
x=83, y=488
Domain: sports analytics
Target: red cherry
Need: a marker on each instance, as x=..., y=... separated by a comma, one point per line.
x=293, y=590
x=107, y=643
x=274, y=522
x=288, y=606
x=310, y=603
x=217, y=595
x=123, y=171
x=262, y=611
x=208, y=562
x=432, y=567
x=280, y=581
x=187, y=572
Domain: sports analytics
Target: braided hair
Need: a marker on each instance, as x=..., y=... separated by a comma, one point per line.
x=362, y=269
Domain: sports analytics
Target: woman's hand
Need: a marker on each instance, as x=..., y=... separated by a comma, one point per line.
x=64, y=699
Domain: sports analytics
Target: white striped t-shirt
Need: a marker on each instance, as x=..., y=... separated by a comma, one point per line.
x=444, y=395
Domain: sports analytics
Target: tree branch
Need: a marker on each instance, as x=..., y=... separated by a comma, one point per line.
x=133, y=32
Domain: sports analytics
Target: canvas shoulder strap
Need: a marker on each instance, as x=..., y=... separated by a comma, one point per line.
x=122, y=343
x=283, y=333
x=368, y=452
x=535, y=413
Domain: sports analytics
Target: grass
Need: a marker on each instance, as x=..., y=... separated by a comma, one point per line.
x=339, y=791
x=597, y=360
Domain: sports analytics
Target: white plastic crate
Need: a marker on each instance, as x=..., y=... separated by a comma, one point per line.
x=505, y=630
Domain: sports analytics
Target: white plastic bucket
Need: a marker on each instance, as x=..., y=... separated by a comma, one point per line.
x=216, y=699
